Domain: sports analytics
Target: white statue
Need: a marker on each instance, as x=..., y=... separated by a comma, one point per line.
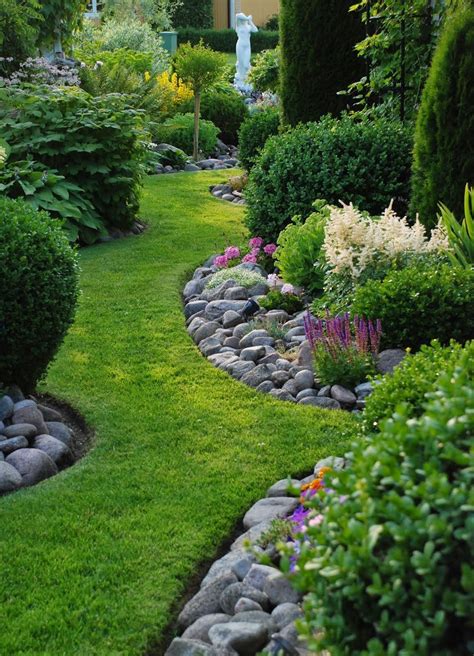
x=244, y=26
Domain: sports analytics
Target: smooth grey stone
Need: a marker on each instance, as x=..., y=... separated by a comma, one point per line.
x=306, y=394
x=235, y=591
x=228, y=197
x=59, y=452
x=304, y=380
x=252, y=353
x=305, y=355
x=389, y=359
x=256, y=617
x=265, y=387
x=264, y=341
x=194, y=307
x=295, y=332
x=26, y=403
x=10, y=478
x=291, y=387
x=228, y=349
x=49, y=414
x=191, y=167
x=206, y=330
x=333, y=462
x=290, y=324
x=237, y=294
x=223, y=332
x=269, y=508
x=361, y=404
x=15, y=430
x=6, y=407
x=30, y=415
x=271, y=358
x=286, y=613
x=249, y=266
x=325, y=391
x=210, y=261
x=218, y=292
x=258, y=375
x=231, y=319
x=279, y=590
x=202, y=272
x=345, y=397
x=257, y=575
x=240, y=368
x=210, y=346
x=280, y=488
x=248, y=339
x=60, y=431
x=241, y=559
x=283, y=365
x=277, y=315
x=364, y=390
x=321, y=402
x=245, y=605
x=195, y=323
x=282, y=395
x=221, y=360
x=33, y=465
x=260, y=289
x=185, y=647
x=199, y=630
x=217, y=309
x=244, y=637
x=241, y=330
x=12, y=444
x=206, y=601
x=194, y=287
x=233, y=342
x=251, y=536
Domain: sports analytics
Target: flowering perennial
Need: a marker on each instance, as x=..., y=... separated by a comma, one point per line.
x=256, y=253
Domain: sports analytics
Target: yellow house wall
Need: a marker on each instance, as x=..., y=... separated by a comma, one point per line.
x=261, y=10
x=221, y=14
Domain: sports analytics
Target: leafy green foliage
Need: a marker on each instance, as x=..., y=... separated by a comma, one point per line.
x=420, y=303
x=276, y=300
x=443, y=157
x=347, y=367
x=156, y=13
x=179, y=130
x=190, y=13
x=366, y=163
x=461, y=236
x=409, y=383
x=254, y=132
x=299, y=250
x=317, y=57
x=95, y=143
x=38, y=292
x=133, y=60
x=132, y=34
x=19, y=24
x=225, y=40
x=389, y=570
x=61, y=18
x=265, y=72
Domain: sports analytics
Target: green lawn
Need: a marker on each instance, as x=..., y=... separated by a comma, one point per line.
x=94, y=560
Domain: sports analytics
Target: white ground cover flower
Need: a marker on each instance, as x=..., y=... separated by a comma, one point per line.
x=243, y=277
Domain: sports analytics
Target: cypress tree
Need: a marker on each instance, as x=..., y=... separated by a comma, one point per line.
x=318, y=58
x=444, y=136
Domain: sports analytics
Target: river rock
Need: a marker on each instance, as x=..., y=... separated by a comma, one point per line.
x=193, y=307
x=231, y=319
x=258, y=375
x=304, y=380
x=6, y=407
x=12, y=444
x=286, y=613
x=199, y=630
x=240, y=368
x=282, y=395
x=30, y=415
x=333, y=462
x=245, y=605
x=60, y=431
x=306, y=394
x=269, y=508
x=265, y=387
x=33, y=465
x=248, y=339
x=345, y=397
x=232, y=593
x=59, y=452
x=253, y=353
x=10, y=478
x=206, y=330
x=184, y=647
x=49, y=414
x=389, y=359
x=321, y=402
x=280, y=488
x=246, y=638
x=257, y=575
x=206, y=601
x=210, y=346
x=26, y=430
x=239, y=562
x=236, y=294
x=217, y=309
x=364, y=390
x=279, y=590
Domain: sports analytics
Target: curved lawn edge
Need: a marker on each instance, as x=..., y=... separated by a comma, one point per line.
x=97, y=558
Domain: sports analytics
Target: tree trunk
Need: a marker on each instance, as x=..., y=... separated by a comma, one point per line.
x=197, y=109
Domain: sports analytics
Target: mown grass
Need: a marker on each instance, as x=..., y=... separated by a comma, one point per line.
x=94, y=559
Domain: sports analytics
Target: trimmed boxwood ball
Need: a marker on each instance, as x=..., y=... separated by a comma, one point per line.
x=363, y=162
x=389, y=569
x=38, y=291
x=420, y=303
x=254, y=132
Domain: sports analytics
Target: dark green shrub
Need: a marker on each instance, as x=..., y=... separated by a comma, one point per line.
x=265, y=72
x=226, y=40
x=179, y=130
x=19, y=24
x=276, y=300
x=95, y=143
x=193, y=14
x=410, y=381
x=254, y=132
x=226, y=108
x=299, y=250
x=273, y=23
x=389, y=569
x=420, y=303
x=444, y=137
x=38, y=291
x=318, y=58
x=366, y=163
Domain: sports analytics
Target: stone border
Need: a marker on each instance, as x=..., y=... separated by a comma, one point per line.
x=225, y=192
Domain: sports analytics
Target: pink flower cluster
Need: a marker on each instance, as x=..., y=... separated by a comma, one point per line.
x=233, y=253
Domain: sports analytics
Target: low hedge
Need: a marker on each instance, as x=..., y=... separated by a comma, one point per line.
x=226, y=40
x=254, y=132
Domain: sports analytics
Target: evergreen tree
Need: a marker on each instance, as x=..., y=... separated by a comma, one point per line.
x=444, y=137
x=318, y=57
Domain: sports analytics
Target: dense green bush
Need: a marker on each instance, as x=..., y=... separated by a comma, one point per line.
x=226, y=40
x=276, y=300
x=190, y=13
x=179, y=130
x=226, y=108
x=38, y=291
x=299, y=250
x=389, y=568
x=19, y=23
x=265, y=72
x=410, y=381
x=366, y=163
x=273, y=23
x=318, y=58
x=95, y=143
x=444, y=145
x=132, y=60
x=254, y=132
x=420, y=303
x=133, y=34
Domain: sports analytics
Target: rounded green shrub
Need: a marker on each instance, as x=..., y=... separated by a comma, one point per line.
x=363, y=162
x=420, y=303
x=410, y=381
x=179, y=129
x=299, y=250
x=389, y=568
x=226, y=108
x=254, y=132
x=38, y=291
x=265, y=72
x=444, y=137
x=276, y=300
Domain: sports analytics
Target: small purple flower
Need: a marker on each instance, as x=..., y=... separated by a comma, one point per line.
x=287, y=289
x=232, y=252
x=221, y=262
x=250, y=258
x=269, y=249
x=255, y=242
